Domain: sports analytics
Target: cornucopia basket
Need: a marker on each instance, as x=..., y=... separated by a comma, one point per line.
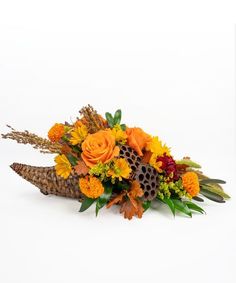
x=46, y=179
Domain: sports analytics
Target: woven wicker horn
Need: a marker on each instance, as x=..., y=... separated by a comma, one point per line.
x=48, y=182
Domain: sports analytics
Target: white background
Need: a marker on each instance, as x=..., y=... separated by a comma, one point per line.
x=170, y=68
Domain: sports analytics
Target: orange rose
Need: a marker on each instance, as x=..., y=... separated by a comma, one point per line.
x=137, y=139
x=99, y=147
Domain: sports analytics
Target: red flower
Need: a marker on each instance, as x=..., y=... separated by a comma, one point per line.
x=169, y=166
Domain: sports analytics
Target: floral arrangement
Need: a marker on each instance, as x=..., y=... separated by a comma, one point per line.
x=111, y=163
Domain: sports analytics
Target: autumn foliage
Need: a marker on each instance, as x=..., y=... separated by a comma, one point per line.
x=129, y=201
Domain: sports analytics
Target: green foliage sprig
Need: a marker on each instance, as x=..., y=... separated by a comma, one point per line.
x=115, y=120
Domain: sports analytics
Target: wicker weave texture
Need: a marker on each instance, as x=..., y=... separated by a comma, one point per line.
x=48, y=182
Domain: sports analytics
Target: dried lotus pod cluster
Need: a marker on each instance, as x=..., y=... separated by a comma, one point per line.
x=148, y=178
x=131, y=156
x=145, y=174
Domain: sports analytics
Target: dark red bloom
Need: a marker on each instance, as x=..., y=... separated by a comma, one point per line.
x=169, y=166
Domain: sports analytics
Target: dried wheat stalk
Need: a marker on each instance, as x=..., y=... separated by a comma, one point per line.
x=44, y=145
x=93, y=120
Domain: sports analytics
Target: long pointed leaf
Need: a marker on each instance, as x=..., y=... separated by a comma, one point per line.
x=212, y=181
x=189, y=163
x=197, y=198
x=170, y=203
x=211, y=196
x=194, y=207
x=86, y=204
x=117, y=117
x=110, y=119
x=182, y=207
x=214, y=188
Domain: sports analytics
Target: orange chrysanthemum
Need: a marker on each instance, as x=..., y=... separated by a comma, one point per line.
x=190, y=183
x=56, y=132
x=91, y=187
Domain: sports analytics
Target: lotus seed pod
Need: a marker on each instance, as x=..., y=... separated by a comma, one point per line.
x=131, y=156
x=149, y=181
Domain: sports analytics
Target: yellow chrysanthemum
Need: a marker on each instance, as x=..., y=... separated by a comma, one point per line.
x=156, y=147
x=56, y=132
x=190, y=183
x=78, y=135
x=63, y=166
x=120, y=169
x=119, y=134
x=91, y=187
x=154, y=163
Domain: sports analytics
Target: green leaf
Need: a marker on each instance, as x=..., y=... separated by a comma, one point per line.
x=76, y=149
x=182, y=207
x=117, y=117
x=170, y=203
x=110, y=119
x=66, y=139
x=215, y=188
x=197, y=198
x=123, y=127
x=103, y=199
x=210, y=195
x=123, y=186
x=212, y=181
x=146, y=205
x=189, y=163
x=194, y=207
x=73, y=160
x=86, y=204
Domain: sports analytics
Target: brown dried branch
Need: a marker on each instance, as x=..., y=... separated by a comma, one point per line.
x=44, y=145
x=94, y=121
